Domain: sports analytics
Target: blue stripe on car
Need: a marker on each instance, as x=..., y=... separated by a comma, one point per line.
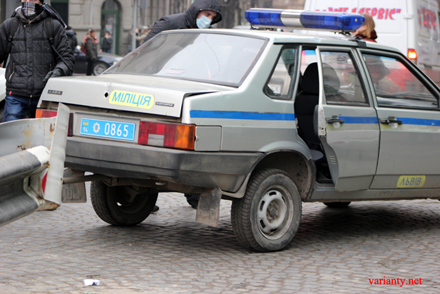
x=419, y=121
x=291, y=117
x=359, y=119
x=241, y=115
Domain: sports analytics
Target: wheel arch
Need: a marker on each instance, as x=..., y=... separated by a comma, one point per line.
x=294, y=163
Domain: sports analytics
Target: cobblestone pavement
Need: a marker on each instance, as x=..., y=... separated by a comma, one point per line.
x=334, y=251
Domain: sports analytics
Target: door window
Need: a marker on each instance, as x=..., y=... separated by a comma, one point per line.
x=280, y=82
x=396, y=86
x=341, y=79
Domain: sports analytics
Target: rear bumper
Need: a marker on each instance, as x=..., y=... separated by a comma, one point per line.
x=198, y=169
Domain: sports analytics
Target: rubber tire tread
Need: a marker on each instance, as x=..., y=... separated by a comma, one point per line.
x=98, y=193
x=99, y=198
x=240, y=212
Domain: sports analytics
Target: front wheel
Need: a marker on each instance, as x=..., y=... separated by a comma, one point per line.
x=268, y=216
x=122, y=205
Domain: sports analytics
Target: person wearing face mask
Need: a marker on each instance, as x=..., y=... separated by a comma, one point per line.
x=200, y=15
x=32, y=56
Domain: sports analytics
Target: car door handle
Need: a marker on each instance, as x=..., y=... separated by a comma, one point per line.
x=334, y=119
x=390, y=120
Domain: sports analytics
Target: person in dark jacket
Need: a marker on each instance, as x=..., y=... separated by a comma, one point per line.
x=32, y=60
x=201, y=14
x=91, y=50
x=71, y=37
x=107, y=42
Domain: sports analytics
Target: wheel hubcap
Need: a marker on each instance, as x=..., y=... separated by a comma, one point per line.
x=272, y=212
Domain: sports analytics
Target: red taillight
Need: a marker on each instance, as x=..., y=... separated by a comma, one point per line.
x=41, y=113
x=167, y=135
x=412, y=55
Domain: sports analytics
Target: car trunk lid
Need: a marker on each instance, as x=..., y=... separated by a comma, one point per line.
x=142, y=94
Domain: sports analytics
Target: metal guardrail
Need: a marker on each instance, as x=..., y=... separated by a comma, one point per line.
x=32, y=157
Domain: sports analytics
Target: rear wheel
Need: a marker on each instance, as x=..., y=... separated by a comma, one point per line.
x=337, y=204
x=99, y=67
x=268, y=216
x=122, y=205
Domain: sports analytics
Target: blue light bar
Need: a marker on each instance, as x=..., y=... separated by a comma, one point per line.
x=339, y=21
x=335, y=21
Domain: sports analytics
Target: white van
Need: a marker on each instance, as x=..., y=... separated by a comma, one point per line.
x=409, y=25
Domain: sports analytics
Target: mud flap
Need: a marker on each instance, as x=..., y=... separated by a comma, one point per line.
x=74, y=193
x=208, y=211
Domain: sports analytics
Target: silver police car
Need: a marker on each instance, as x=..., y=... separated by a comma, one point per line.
x=264, y=118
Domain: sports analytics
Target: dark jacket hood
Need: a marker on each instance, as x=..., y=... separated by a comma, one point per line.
x=19, y=14
x=70, y=33
x=47, y=11
x=199, y=5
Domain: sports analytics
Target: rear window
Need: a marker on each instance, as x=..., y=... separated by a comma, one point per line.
x=208, y=57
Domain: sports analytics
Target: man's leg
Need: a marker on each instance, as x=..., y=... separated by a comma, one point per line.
x=89, y=70
x=32, y=107
x=15, y=108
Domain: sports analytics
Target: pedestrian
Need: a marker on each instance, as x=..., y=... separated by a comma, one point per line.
x=201, y=14
x=367, y=31
x=107, y=42
x=71, y=37
x=91, y=50
x=141, y=37
x=34, y=42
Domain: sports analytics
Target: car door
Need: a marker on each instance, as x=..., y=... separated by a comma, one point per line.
x=408, y=111
x=347, y=122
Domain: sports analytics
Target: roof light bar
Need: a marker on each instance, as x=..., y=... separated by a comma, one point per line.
x=335, y=21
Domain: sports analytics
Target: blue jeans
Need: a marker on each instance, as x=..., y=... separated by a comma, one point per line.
x=17, y=107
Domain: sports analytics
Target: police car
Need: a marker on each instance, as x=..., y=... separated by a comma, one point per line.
x=265, y=118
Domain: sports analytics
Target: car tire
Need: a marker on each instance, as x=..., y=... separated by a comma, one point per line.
x=337, y=204
x=268, y=216
x=99, y=68
x=122, y=205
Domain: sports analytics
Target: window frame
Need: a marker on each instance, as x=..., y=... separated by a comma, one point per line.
x=293, y=86
x=357, y=64
x=417, y=72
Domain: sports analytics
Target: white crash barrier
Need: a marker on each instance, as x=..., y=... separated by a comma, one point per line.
x=32, y=157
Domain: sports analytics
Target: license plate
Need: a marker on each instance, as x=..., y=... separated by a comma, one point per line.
x=411, y=181
x=108, y=129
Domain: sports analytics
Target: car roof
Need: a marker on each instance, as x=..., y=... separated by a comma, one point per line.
x=315, y=37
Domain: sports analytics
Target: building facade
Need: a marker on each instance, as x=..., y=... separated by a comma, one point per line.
x=116, y=16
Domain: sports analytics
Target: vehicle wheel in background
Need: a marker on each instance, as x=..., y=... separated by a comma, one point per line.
x=268, y=216
x=122, y=205
x=99, y=68
x=337, y=204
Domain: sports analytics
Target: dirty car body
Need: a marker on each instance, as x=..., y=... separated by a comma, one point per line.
x=266, y=119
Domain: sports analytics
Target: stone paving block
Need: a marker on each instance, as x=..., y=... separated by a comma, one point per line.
x=52, y=252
